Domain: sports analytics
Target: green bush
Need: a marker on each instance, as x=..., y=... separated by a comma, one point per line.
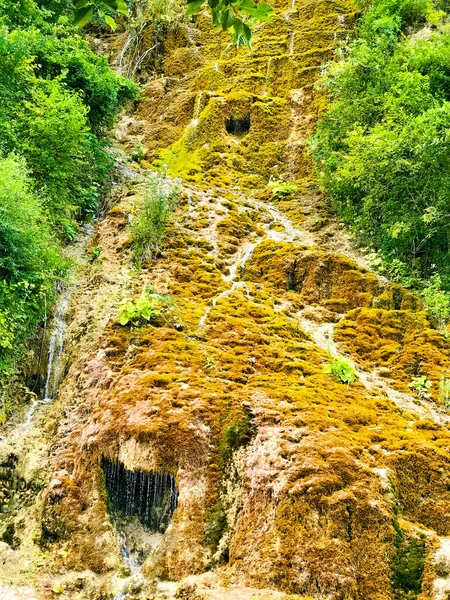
x=159, y=200
x=29, y=258
x=437, y=299
x=421, y=385
x=282, y=189
x=149, y=307
x=382, y=146
x=57, y=101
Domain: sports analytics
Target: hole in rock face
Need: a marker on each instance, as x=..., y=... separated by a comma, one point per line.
x=238, y=126
x=151, y=497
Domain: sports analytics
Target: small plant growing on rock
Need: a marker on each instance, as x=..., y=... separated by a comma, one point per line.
x=150, y=307
x=95, y=253
x=341, y=368
x=282, y=189
x=137, y=154
x=421, y=384
x=444, y=390
x=159, y=200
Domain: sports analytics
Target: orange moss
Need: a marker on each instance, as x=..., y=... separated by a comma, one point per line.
x=403, y=343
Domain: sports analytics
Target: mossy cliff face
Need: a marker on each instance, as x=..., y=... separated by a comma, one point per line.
x=207, y=83
x=288, y=479
x=291, y=484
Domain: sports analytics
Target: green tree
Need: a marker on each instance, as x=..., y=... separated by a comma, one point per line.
x=29, y=257
x=236, y=16
x=382, y=146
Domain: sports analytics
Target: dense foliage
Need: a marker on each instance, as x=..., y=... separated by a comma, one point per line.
x=57, y=100
x=236, y=16
x=383, y=145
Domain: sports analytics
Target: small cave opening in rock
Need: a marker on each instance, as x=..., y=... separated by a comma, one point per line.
x=148, y=496
x=238, y=126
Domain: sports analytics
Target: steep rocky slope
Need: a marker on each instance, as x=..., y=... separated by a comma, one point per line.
x=290, y=484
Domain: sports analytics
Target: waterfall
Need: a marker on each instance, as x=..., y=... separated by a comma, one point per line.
x=55, y=350
x=76, y=252
x=141, y=504
x=198, y=108
x=152, y=497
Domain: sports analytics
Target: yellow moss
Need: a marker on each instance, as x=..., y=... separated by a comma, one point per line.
x=401, y=341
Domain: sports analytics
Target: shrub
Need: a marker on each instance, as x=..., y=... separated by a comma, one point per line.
x=342, y=369
x=444, y=390
x=159, y=200
x=382, y=146
x=438, y=300
x=29, y=257
x=57, y=100
x=281, y=189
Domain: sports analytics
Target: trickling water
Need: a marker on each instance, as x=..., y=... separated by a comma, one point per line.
x=291, y=46
x=55, y=351
x=287, y=233
x=152, y=497
x=197, y=109
x=76, y=252
x=224, y=294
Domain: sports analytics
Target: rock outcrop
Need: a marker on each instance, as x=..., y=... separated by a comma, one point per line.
x=291, y=484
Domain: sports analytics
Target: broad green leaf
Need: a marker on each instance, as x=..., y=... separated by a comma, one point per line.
x=194, y=7
x=216, y=18
x=227, y=20
x=110, y=22
x=83, y=16
x=246, y=32
x=83, y=3
x=111, y=4
x=246, y=5
x=122, y=7
x=123, y=320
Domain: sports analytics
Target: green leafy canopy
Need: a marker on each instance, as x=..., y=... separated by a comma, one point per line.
x=104, y=11
x=236, y=16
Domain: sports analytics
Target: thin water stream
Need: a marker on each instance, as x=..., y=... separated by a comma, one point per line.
x=285, y=232
x=55, y=351
x=323, y=336
x=197, y=108
x=57, y=337
x=322, y=333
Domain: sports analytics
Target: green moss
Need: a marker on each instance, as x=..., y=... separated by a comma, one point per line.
x=236, y=434
x=216, y=525
x=407, y=565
